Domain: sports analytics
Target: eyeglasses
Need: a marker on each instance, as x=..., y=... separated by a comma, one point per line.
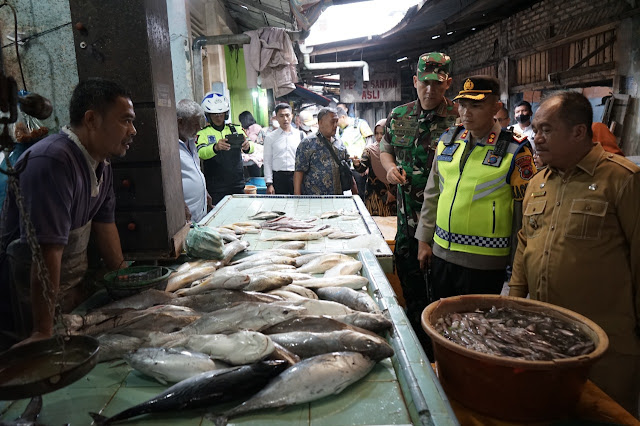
x=502, y=119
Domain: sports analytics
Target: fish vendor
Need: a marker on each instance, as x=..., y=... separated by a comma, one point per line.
x=580, y=239
x=68, y=194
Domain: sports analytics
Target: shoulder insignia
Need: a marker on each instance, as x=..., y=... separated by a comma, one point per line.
x=623, y=161
x=525, y=167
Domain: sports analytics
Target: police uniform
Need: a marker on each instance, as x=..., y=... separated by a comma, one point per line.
x=468, y=210
x=580, y=249
x=223, y=170
x=410, y=136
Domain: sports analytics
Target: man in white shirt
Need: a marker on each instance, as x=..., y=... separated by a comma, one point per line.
x=196, y=198
x=524, y=114
x=280, y=153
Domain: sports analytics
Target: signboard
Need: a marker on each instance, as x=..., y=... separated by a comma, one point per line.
x=383, y=87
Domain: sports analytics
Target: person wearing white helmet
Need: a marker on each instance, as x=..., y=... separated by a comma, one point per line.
x=222, y=158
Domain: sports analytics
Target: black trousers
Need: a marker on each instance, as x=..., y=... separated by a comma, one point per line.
x=448, y=279
x=283, y=182
x=361, y=183
x=216, y=196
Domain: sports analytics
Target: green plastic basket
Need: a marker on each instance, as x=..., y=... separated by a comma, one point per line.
x=135, y=279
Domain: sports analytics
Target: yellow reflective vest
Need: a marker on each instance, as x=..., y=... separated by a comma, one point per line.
x=475, y=208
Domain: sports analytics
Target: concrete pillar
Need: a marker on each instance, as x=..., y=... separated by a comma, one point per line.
x=628, y=60
x=182, y=63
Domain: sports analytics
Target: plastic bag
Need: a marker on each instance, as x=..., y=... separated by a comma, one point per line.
x=29, y=129
x=205, y=243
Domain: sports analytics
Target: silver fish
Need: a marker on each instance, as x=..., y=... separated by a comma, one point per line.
x=220, y=298
x=288, y=296
x=324, y=262
x=305, y=258
x=233, y=248
x=114, y=346
x=267, y=253
x=302, y=291
x=242, y=347
x=266, y=281
x=355, y=282
x=268, y=268
x=266, y=260
x=180, y=280
x=142, y=300
x=368, y=321
x=309, y=380
x=292, y=245
x=170, y=365
x=341, y=235
x=315, y=324
x=243, y=316
x=295, y=236
x=318, y=307
x=228, y=278
x=356, y=300
x=306, y=344
x=284, y=354
x=346, y=268
x=266, y=215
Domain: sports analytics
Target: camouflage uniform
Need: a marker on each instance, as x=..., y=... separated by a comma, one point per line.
x=411, y=136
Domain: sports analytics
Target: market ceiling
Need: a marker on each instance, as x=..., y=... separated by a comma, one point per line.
x=431, y=25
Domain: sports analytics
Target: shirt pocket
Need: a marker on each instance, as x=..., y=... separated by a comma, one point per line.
x=532, y=218
x=586, y=219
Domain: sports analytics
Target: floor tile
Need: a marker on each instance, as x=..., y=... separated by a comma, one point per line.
x=291, y=416
x=72, y=405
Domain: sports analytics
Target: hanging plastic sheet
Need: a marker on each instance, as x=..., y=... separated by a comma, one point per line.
x=307, y=12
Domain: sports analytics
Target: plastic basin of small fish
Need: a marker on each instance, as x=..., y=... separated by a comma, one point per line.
x=507, y=387
x=135, y=279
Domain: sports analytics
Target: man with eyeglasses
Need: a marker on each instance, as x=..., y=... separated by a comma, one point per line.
x=502, y=118
x=223, y=167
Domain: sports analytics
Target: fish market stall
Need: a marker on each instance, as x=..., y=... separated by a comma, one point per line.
x=401, y=389
x=349, y=216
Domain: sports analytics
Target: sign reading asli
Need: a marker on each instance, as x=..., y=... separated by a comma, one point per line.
x=380, y=88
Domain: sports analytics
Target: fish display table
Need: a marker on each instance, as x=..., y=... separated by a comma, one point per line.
x=400, y=390
x=238, y=208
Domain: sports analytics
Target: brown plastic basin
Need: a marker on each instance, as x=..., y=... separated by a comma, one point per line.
x=510, y=388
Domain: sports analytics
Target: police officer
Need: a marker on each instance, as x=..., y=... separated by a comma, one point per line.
x=223, y=167
x=468, y=211
x=406, y=153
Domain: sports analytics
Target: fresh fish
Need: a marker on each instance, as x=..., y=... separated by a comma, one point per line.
x=248, y=223
x=180, y=280
x=345, y=268
x=330, y=215
x=355, y=282
x=204, y=390
x=306, y=344
x=231, y=249
x=295, y=236
x=142, y=300
x=309, y=380
x=266, y=281
x=29, y=416
x=266, y=260
x=288, y=296
x=243, y=316
x=170, y=365
x=305, y=258
x=220, y=298
x=296, y=276
x=318, y=307
x=315, y=324
x=163, y=318
x=327, y=231
x=292, y=245
x=368, y=321
x=324, y=262
x=356, y=300
x=114, y=346
x=243, y=347
x=267, y=253
x=269, y=268
x=284, y=354
x=266, y=215
x=302, y=291
x=350, y=217
x=341, y=235
x=227, y=278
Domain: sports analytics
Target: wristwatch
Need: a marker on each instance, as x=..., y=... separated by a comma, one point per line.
x=269, y=184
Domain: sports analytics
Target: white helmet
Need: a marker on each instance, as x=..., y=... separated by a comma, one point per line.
x=215, y=103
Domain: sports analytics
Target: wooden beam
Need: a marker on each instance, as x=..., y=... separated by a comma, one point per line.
x=264, y=8
x=557, y=77
x=227, y=18
x=593, y=53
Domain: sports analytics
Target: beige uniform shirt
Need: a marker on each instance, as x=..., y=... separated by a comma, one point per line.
x=579, y=245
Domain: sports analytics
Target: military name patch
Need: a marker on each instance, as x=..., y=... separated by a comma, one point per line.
x=492, y=159
x=450, y=150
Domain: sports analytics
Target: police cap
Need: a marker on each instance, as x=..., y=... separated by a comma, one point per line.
x=478, y=87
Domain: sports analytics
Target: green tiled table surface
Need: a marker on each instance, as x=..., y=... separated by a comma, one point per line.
x=237, y=208
x=400, y=390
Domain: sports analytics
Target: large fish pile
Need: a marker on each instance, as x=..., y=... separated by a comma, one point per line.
x=287, y=327
x=515, y=333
